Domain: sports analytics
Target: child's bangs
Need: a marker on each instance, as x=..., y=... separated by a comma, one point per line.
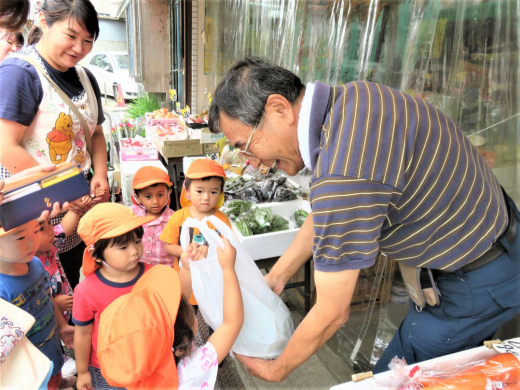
x=127, y=237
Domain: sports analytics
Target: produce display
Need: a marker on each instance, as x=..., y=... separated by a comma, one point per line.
x=273, y=189
x=251, y=220
x=169, y=132
x=163, y=113
x=198, y=121
x=501, y=371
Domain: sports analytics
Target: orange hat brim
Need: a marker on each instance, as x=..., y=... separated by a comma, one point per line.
x=145, y=184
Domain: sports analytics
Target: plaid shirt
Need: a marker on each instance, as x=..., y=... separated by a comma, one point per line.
x=153, y=248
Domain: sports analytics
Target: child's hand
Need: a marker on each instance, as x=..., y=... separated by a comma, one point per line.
x=87, y=201
x=194, y=252
x=64, y=302
x=67, y=335
x=226, y=256
x=84, y=381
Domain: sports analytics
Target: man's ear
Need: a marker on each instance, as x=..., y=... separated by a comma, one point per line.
x=278, y=107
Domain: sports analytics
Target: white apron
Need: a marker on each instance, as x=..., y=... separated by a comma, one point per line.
x=55, y=135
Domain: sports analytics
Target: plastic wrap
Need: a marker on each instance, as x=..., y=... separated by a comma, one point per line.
x=501, y=371
x=462, y=56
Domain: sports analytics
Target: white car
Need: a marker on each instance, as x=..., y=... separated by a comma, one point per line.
x=110, y=69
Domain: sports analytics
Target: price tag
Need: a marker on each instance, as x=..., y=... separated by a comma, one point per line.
x=509, y=346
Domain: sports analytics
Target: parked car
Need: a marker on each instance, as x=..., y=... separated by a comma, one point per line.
x=111, y=69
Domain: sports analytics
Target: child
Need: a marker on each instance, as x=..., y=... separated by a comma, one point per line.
x=112, y=234
x=155, y=317
x=202, y=195
x=52, y=239
x=24, y=283
x=151, y=197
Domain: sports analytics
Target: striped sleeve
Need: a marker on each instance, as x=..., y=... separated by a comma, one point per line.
x=348, y=215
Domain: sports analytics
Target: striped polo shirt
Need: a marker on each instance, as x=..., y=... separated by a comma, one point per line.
x=394, y=174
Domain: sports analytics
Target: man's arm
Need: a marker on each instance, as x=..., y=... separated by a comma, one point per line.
x=334, y=294
x=294, y=257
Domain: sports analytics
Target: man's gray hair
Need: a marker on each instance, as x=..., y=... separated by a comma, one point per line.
x=243, y=92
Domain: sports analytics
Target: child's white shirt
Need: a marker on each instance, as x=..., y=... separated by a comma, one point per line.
x=198, y=370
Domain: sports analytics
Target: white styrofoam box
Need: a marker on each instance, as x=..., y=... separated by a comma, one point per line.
x=386, y=380
x=264, y=246
x=128, y=170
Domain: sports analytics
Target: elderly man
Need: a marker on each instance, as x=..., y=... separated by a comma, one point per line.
x=392, y=174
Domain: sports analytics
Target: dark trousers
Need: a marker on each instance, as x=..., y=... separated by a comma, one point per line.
x=71, y=262
x=474, y=305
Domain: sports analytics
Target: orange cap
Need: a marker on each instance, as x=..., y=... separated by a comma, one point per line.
x=106, y=220
x=135, y=335
x=204, y=167
x=146, y=176
x=199, y=169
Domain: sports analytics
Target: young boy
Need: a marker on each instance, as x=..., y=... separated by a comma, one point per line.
x=24, y=283
x=202, y=195
x=151, y=197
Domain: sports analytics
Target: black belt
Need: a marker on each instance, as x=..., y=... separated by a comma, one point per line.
x=497, y=249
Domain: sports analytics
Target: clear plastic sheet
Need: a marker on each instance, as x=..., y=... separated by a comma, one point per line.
x=462, y=56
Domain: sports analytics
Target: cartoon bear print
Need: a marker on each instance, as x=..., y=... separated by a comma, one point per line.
x=60, y=139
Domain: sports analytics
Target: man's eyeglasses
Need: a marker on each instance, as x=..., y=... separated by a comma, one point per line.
x=244, y=152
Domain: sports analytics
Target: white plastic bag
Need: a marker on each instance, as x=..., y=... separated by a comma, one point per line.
x=268, y=325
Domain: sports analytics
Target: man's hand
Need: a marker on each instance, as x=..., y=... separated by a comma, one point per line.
x=260, y=368
x=64, y=302
x=67, y=335
x=276, y=283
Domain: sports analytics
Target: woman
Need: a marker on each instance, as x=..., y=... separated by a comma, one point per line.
x=37, y=127
x=8, y=43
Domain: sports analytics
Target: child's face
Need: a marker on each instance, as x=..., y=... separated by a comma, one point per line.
x=124, y=257
x=204, y=194
x=154, y=198
x=20, y=245
x=46, y=237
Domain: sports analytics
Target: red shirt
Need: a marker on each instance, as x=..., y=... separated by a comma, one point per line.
x=92, y=296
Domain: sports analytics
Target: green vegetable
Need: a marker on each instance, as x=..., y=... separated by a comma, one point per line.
x=263, y=216
x=300, y=216
x=243, y=228
x=279, y=223
x=236, y=207
x=142, y=105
